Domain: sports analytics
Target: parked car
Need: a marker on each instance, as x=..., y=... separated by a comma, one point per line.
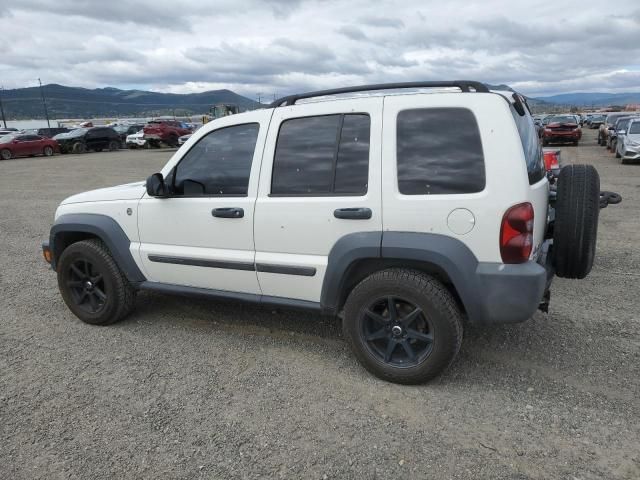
x=628, y=146
x=26, y=145
x=343, y=206
x=183, y=139
x=596, y=120
x=82, y=140
x=618, y=129
x=125, y=130
x=47, y=132
x=136, y=140
x=607, y=125
x=165, y=131
x=561, y=129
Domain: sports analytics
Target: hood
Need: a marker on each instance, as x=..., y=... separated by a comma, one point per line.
x=129, y=191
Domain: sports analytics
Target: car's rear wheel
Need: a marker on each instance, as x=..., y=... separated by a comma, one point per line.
x=47, y=151
x=403, y=325
x=113, y=146
x=172, y=141
x=576, y=223
x=618, y=154
x=5, y=154
x=92, y=285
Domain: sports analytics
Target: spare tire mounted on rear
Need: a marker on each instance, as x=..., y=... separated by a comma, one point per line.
x=576, y=224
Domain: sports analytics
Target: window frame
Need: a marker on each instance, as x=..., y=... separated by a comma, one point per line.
x=174, y=169
x=430, y=195
x=334, y=163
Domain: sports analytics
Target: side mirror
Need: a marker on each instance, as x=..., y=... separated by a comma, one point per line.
x=156, y=186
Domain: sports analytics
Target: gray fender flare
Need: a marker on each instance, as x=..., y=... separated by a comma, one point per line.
x=489, y=292
x=107, y=230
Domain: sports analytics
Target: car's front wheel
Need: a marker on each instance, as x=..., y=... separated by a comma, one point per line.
x=113, y=146
x=403, y=325
x=5, y=154
x=47, y=151
x=92, y=285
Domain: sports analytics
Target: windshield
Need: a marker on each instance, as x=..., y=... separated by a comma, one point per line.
x=634, y=128
x=121, y=128
x=78, y=132
x=597, y=118
x=563, y=119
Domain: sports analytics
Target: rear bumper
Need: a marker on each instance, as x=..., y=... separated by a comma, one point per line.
x=508, y=293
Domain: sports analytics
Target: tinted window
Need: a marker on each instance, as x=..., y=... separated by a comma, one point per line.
x=530, y=146
x=439, y=152
x=219, y=164
x=322, y=155
x=635, y=127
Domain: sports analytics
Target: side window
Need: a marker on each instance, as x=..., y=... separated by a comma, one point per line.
x=219, y=164
x=439, y=151
x=530, y=146
x=322, y=155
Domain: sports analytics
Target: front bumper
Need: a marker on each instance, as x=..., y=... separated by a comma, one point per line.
x=631, y=153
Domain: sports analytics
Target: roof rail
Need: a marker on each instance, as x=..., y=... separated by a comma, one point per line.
x=464, y=86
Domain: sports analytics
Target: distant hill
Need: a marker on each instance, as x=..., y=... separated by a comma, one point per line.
x=595, y=99
x=74, y=102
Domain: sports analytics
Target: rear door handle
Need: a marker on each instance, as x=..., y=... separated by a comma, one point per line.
x=232, y=212
x=353, y=213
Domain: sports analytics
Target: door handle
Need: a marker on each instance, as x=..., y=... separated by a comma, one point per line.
x=231, y=212
x=353, y=213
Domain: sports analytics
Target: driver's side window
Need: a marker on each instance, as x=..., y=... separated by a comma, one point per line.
x=219, y=164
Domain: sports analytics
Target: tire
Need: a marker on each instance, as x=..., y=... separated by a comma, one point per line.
x=545, y=142
x=575, y=143
x=172, y=141
x=78, y=147
x=5, y=154
x=47, y=151
x=439, y=319
x=92, y=285
x=113, y=146
x=576, y=224
x=618, y=154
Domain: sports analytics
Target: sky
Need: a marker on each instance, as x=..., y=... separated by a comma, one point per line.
x=279, y=47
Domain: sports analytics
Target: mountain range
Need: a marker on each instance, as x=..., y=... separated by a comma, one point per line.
x=75, y=102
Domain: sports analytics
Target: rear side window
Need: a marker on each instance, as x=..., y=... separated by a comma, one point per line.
x=219, y=164
x=439, y=151
x=323, y=155
x=530, y=146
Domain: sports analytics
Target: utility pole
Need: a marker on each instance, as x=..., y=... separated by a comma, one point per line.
x=4, y=120
x=259, y=94
x=44, y=103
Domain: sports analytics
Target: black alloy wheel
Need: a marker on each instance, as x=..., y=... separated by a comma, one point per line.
x=397, y=332
x=86, y=285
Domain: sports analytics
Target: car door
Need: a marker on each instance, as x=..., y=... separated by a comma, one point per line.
x=22, y=146
x=320, y=181
x=202, y=235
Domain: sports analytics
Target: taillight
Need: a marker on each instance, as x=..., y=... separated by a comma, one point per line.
x=551, y=161
x=516, y=234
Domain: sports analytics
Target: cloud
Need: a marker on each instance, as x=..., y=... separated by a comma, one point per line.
x=284, y=46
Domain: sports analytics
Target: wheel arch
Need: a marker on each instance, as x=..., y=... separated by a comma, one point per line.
x=72, y=228
x=356, y=256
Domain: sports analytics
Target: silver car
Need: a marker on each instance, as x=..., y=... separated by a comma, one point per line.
x=628, y=145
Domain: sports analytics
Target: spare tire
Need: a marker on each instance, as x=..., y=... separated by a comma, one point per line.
x=576, y=222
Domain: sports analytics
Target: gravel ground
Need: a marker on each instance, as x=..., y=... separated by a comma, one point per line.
x=202, y=389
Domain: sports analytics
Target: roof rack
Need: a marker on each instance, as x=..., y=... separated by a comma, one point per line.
x=464, y=86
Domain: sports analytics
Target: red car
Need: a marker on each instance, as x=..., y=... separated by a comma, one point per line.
x=26, y=145
x=561, y=129
x=166, y=131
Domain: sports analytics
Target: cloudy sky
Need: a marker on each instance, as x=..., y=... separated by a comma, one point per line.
x=280, y=47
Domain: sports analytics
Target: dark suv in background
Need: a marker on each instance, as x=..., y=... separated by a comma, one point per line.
x=81, y=140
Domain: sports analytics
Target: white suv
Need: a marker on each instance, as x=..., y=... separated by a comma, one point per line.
x=405, y=208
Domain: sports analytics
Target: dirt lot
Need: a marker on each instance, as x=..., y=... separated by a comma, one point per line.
x=200, y=389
